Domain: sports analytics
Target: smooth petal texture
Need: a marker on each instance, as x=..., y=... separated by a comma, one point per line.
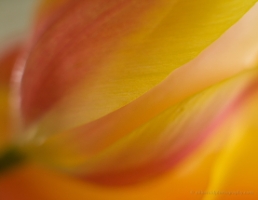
x=122, y=61
x=47, y=14
x=155, y=147
x=159, y=135
x=8, y=58
x=34, y=182
x=236, y=169
x=93, y=138
x=47, y=8
x=98, y=33
x=162, y=143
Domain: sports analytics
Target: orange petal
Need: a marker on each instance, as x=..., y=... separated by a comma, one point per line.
x=114, y=54
x=8, y=58
x=220, y=61
x=34, y=182
x=153, y=148
x=70, y=51
x=48, y=7
x=236, y=169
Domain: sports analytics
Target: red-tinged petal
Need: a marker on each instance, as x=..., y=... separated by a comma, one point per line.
x=157, y=146
x=32, y=182
x=7, y=60
x=70, y=51
x=162, y=143
x=220, y=61
x=116, y=56
x=47, y=8
x=47, y=14
x=212, y=66
x=235, y=173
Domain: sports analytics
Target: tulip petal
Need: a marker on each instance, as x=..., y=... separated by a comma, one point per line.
x=212, y=66
x=47, y=14
x=235, y=171
x=34, y=182
x=47, y=8
x=7, y=60
x=155, y=147
x=162, y=143
x=116, y=56
x=98, y=33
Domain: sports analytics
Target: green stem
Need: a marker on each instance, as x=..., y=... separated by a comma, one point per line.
x=10, y=158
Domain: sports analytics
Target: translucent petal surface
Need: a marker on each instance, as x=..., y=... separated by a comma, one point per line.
x=8, y=57
x=199, y=119
x=116, y=56
x=48, y=7
x=236, y=170
x=33, y=182
x=97, y=33
x=153, y=148
x=193, y=173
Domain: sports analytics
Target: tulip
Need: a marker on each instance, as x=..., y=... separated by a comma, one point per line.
x=132, y=100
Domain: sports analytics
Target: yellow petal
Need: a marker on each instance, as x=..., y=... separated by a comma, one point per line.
x=176, y=33
x=7, y=59
x=208, y=68
x=236, y=169
x=32, y=182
